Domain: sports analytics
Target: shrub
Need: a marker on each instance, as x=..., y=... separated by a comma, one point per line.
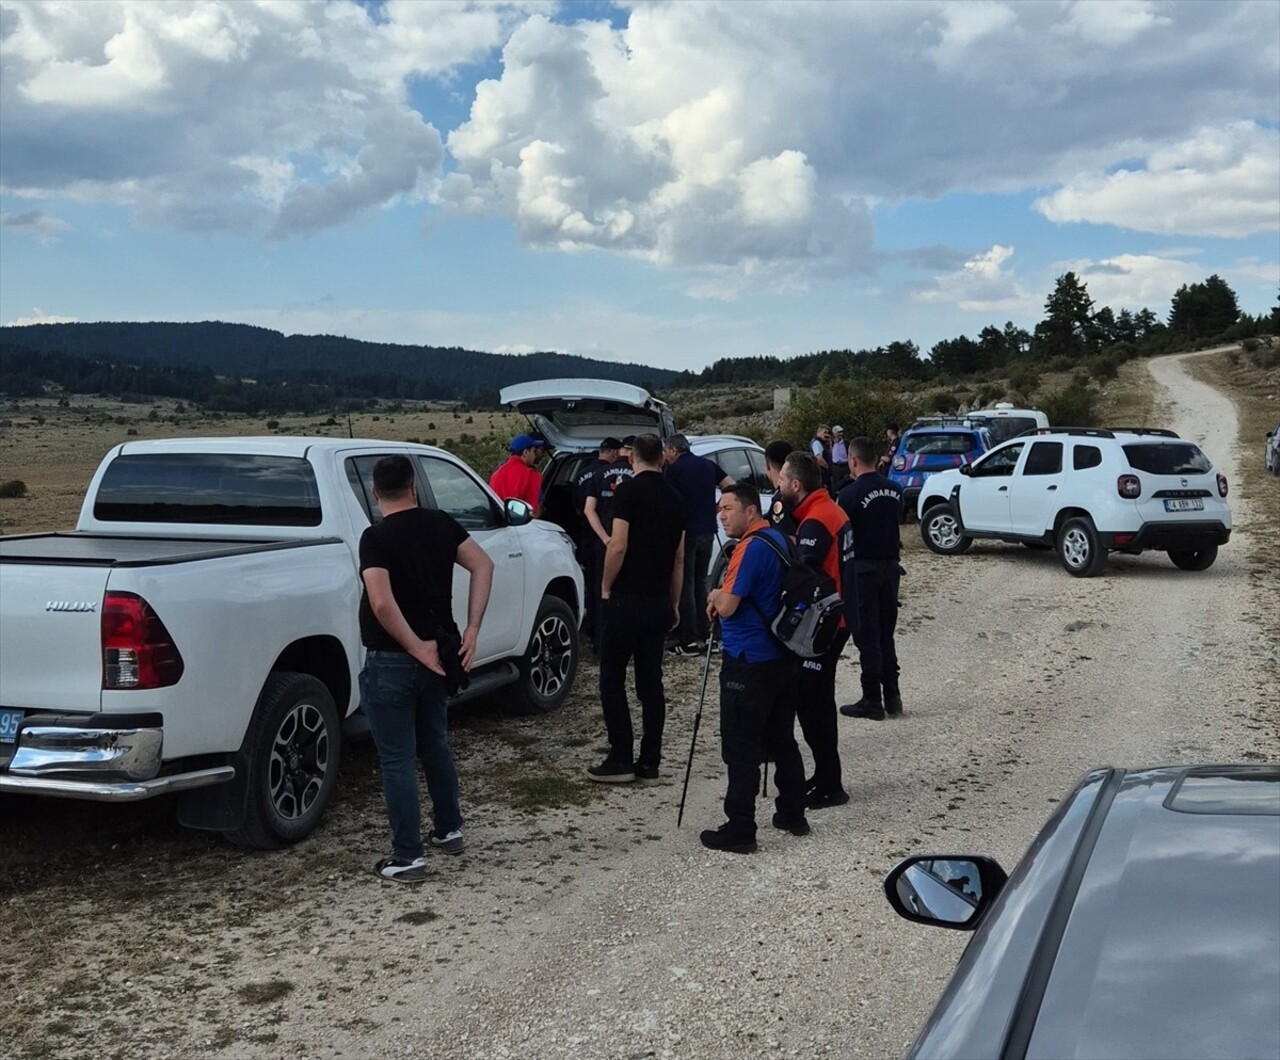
x=942, y=401
x=1075, y=405
x=1060, y=363
x=15, y=487
x=860, y=409
x=1102, y=367
x=1024, y=379
x=272, y=424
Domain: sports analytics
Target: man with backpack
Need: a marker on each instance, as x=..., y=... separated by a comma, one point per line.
x=824, y=540
x=757, y=677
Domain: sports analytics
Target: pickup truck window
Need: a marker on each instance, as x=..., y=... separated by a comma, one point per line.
x=457, y=493
x=229, y=489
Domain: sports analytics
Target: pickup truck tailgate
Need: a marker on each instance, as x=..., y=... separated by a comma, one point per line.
x=51, y=636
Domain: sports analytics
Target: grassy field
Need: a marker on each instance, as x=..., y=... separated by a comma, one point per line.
x=53, y=444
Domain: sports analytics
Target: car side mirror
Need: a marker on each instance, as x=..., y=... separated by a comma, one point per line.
x=966, y=468
x=945, y=890
x=518, y=512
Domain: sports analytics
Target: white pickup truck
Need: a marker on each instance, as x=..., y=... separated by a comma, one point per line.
x=197, y=632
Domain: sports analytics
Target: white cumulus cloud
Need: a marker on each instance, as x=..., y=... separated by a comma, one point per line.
x=1219, y=182
x=39, y=316
x=40, y=226
x=982, y=283
x=281, y=117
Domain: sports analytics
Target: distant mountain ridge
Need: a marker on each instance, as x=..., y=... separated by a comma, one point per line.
x=248, y=352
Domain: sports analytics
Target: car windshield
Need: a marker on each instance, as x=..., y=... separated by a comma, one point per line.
x=1167, y=458
x=951, y=443
x=1003, y=428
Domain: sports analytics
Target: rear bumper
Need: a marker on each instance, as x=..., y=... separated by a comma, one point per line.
x=1166, y=537
x=100, y=757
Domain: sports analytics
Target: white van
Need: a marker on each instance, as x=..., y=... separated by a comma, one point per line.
x=1005, y=422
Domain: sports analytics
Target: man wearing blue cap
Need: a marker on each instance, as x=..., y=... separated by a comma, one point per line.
x=518, y=478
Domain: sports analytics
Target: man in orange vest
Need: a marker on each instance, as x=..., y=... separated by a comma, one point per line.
x=824, y=539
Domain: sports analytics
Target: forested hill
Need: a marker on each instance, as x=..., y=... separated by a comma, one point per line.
x=240, y=351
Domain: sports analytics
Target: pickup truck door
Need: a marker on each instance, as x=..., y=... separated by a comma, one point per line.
x=1034, y=491
x=984, y=498
x=449, y=487
x=453, y=489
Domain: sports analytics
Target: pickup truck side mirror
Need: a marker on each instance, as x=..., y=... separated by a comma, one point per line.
x=518, y=512
x=966, y=468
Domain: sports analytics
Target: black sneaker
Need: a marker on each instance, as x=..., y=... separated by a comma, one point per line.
x=892, y=704
x=726, y=839
x=864, y=709
x=646, y=774
x=819, y=798
x=450, y=843
x=401, y=870
x=691, y=648
x=794, y=825
x=611, y=772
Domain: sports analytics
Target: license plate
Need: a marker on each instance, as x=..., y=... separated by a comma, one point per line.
x=9, y=722
x=1193, y=504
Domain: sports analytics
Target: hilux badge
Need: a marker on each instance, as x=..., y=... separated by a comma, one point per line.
x=71, y=605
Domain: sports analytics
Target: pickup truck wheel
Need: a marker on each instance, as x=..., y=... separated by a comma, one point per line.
x=940, y=530
x=292, y=750
x=1198, y=559
x=1080, y=549
x=551, y=660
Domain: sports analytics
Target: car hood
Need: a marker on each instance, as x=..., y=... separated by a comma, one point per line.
x=577, y=414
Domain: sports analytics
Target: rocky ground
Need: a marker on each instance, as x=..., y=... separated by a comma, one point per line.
x=581, y=922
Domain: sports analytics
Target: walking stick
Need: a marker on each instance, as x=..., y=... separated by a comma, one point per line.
x=697, y=719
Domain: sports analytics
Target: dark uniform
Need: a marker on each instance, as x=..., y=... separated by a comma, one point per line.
x=874, y=507
x=588, y=545
x=604, y=484
x=824, y=540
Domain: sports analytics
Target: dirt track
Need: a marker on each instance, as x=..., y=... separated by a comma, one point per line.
x=598, y=929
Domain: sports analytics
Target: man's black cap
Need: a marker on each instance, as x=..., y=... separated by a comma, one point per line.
x=610, y=443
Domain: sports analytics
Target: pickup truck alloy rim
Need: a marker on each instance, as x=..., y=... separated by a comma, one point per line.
x=1075, y=547
x=550, y=656
x=299, y=760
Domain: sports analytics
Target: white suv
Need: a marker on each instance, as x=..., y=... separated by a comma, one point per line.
x=1085, y=492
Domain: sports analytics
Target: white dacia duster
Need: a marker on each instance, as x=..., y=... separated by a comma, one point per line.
x=1085, y=492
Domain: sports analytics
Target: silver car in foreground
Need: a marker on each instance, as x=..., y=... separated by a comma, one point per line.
x=1144, y=921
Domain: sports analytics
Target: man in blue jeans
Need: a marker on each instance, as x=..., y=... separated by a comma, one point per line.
x=406, y=623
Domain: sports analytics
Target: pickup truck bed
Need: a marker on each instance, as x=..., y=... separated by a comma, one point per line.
x=111, y=550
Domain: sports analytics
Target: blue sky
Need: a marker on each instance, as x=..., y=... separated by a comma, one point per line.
x=662, y=183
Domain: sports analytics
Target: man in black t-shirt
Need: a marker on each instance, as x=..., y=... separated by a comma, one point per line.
x=406, y=623
x=597, y=509
x=874, y=506
x=640, y=602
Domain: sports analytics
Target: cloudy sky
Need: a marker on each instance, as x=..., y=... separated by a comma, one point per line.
x=664, y=183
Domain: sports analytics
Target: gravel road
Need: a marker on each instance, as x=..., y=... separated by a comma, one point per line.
x=603, y=931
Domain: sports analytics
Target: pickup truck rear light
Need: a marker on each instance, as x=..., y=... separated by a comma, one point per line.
x=1129, y=487
x=137, y=651
x=1222, y=485
x=899, y=463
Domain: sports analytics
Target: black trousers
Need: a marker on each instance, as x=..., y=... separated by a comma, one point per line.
x=816, y=710
x=633, y=628
x=693, y=593
x=877, y=596
x=757, y=724
x=592, y=556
